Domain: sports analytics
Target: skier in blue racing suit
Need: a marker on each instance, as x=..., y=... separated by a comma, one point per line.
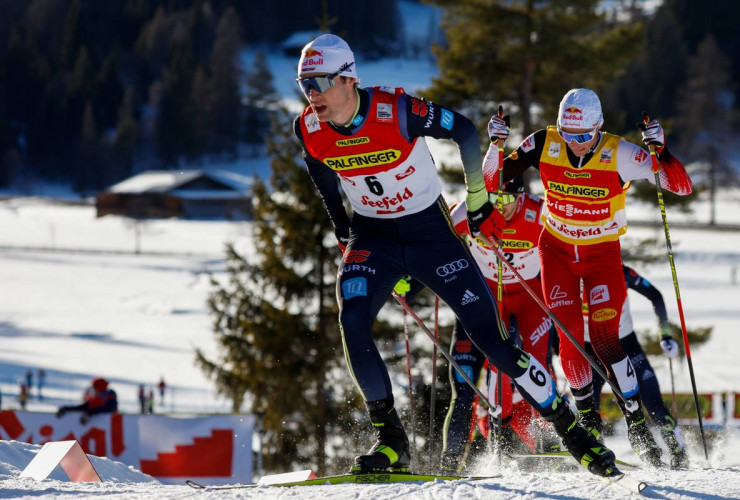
x=649, y=388
x=372, y=140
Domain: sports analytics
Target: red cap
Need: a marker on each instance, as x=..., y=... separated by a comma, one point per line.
x=99, y=384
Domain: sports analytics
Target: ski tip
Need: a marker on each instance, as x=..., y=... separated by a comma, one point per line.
x=623, y=480
x=195, y=485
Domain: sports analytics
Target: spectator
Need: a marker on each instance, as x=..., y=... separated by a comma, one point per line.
x=150, y=402
x=162, y=386
x=22, y=394
x=40, y=380
x=29, y=381
x=97, y=399
x=142, y=399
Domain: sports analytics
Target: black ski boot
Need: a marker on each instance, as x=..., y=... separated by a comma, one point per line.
x=638, y=433
x=547, y=439
x=669, y=432
x=391, y=451
x=505, y=440
x=584, y=447
x=588, y=416
x=451, y=463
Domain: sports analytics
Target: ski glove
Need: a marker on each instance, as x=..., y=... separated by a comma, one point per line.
x=498, y=129
x=670, y=347
x=478, y=216
x=652, y=135
x=403, y=286
x=488, y=222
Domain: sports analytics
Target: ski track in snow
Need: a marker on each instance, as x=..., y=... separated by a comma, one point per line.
x=692, y=484
x=121, y=482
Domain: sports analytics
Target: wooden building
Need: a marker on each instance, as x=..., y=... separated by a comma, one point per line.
x=190, y=194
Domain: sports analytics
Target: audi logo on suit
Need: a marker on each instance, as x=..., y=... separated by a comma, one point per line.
x=452, y=267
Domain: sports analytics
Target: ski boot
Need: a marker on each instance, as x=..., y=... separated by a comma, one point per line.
x=505, y=440
x=451, y=464
x=548, y=442
x=588, y=416
x=390, y=453
x=673, y=440
x=638, y=433
x=547, y=439
x=580, y=443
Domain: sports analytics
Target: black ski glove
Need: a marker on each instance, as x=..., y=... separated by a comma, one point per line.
x=476, y=217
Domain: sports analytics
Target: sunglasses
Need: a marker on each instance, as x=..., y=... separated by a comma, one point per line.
x=321, y=83
x=507, y=198
x=581, y=138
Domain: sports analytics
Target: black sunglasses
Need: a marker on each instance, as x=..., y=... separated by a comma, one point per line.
x=321, y=83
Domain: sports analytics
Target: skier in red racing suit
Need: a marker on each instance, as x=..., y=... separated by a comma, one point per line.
x=521, y=233
x=584, y=173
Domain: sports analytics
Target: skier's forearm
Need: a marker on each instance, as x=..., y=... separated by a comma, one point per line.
x=326, y=183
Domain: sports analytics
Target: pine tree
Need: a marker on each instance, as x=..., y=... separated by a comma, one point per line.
x=275, y=318
x=260, y=98
x=88, y=154
x=526, y=52
x=126, y=140
x=175, y=124
x=706, y=105
x=225, y=79
x=650, y=82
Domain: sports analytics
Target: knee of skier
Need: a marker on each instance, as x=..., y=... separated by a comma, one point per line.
x=353, y=322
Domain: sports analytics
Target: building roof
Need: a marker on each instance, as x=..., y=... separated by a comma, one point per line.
x=299, y=39
x=167, y=181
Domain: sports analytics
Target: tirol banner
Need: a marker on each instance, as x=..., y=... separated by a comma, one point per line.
x=210, y=450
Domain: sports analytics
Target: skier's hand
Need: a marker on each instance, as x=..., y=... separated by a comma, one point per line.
x=669, y=346
x=652, y=134
x=478, y=216
x=492, y=223
x=498, y=129
x=403, y=286
x=61, y=411
x=84, y=419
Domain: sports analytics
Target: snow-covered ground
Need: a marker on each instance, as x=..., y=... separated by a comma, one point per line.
x=506, y=482
x=79, y=303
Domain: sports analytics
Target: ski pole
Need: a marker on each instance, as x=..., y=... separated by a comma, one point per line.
x=617, y=392
x=661, y=204
x=411, y=381
x=500, y=207
x=674, y=402
x=491, y=408
x=499, y=288
x=433, y=396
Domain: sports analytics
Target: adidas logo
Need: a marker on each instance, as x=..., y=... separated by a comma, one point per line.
x=469, y=297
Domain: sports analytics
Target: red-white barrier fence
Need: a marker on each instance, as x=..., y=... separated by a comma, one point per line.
x=210, y=450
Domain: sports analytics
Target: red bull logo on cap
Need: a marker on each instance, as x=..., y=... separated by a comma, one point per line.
x=573, y=113
x=311, y=59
